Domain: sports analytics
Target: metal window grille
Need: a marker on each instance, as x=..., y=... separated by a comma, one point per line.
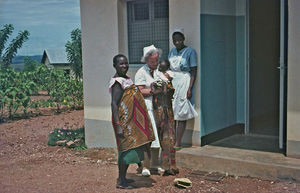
x=148, y=23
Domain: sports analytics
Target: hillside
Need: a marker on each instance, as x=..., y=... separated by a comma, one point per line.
x=17, y=62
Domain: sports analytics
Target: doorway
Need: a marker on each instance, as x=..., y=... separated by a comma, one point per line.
x=241, y=44
x=264, y=76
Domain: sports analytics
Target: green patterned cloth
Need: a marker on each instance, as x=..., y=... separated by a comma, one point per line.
x=131, y=156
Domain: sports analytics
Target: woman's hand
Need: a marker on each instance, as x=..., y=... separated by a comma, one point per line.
x=193, y=73
x=168, y=76
x=155, y=90
x=189, y=93
x=120, y=132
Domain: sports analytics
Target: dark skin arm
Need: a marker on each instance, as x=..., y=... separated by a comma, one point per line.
x=116, y=96
x=193, y=72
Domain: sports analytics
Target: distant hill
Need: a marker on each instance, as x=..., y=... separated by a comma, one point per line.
x=19, y=59
x=17, y=62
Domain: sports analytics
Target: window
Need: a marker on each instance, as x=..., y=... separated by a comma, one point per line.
x=67, y=72
x=148, y=23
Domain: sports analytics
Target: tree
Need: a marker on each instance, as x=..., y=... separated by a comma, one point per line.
x=29, y=64
x=74, y=52
x=12, y=48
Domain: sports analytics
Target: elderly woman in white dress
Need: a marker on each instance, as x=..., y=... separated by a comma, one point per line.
x=146, y=75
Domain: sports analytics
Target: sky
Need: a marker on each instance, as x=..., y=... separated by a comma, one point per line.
x=49, y=22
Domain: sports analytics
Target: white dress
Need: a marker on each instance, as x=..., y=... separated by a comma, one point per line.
x=182, y=107
x=162, y=77
x=143, y=77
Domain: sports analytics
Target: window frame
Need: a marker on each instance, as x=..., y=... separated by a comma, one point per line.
x=152, y=19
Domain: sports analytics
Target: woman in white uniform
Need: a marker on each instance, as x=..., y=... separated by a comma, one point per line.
x=146, y=75
x=183, y=60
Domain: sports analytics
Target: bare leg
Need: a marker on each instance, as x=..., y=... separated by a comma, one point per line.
x=146, y=163
x=155, y=158
x=147, y=155
x=122, y=174
x=179, y=132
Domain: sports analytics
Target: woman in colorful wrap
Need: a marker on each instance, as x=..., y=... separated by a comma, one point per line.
x=183, y=60
x=130, y=120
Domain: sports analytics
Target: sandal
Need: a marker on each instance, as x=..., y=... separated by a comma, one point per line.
x=126, y=180
x=175, y=170
x=124, y=186
x=169, y=173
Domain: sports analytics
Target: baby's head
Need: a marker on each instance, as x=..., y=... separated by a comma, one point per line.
x=164, y=65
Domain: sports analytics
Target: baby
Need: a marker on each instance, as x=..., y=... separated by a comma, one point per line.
x=164, y=77
x=163, y=80
x=164, y=72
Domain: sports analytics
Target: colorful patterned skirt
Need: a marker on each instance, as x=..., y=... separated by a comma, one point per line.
x=137, y=128
x=164, y=118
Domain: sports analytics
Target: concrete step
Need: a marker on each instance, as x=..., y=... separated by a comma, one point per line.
x=240, y=162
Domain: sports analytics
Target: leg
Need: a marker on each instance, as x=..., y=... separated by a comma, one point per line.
x=140, y=168
x=180, y=130
x=122, y=173
x=155, y=162
x=122, y=182
x=147, y=155
x=146, y=163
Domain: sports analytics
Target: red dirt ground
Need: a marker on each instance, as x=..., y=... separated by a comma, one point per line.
x=27, y=164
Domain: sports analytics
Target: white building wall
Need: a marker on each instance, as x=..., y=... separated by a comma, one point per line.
x=293, y=102
x=100, y=42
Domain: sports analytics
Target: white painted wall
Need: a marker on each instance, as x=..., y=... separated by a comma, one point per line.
x=100, y=42
x=293, y=102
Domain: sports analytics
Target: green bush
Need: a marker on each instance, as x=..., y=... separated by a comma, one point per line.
x=67, y=135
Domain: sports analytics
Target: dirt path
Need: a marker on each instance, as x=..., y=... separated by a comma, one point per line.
x=27, y=164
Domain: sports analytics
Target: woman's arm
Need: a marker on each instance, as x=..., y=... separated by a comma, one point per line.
x=146, y=91
x=149, y=91
x=193, y=72
x=116, y=96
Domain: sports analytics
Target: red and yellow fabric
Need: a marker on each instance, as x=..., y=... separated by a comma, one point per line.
x=164, y=118
x=134, y=120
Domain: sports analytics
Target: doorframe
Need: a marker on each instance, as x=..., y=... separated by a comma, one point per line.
x=283, y=73
x=282, y=66
x=247, y=70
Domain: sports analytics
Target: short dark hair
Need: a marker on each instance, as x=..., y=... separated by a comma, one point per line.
x=116, y=58
x=166, y=61
x=179, y=33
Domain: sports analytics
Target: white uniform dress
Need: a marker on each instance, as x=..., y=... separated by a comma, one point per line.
x=182, y=107
x=143, y=77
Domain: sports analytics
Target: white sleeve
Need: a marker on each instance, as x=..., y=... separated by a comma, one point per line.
x=171, y=74
x=140, y=78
